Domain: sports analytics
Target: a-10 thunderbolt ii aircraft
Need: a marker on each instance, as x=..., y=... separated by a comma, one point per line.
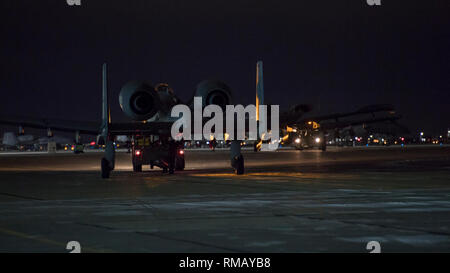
x=311, y=132
x=149, y=108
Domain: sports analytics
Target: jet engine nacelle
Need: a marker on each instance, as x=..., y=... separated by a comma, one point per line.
x=214, y=92
x=139, y=100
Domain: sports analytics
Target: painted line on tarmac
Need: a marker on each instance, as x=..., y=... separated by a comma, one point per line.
x=46, y=241
x=21, y=196
x=165, y=237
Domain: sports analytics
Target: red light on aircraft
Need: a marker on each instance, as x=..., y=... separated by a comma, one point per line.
x=181, y=152
x=92, y=143
x=138, y=153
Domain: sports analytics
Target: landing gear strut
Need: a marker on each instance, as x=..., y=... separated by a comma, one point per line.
x=237, y=160
x=105, y=168
x=108, y=160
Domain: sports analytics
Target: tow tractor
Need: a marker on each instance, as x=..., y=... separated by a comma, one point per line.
x=155, y=150
x=310, y=137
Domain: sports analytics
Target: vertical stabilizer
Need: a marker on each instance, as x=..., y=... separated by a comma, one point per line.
x=106, y=113
x=259, y=87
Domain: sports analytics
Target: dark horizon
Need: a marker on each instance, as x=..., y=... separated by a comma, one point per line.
x=337, y=55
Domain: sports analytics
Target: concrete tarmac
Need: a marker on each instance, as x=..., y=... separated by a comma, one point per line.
x=288, y=201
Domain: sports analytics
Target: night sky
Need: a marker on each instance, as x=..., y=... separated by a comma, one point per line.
x=336, y=55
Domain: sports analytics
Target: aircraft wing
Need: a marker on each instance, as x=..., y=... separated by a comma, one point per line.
x=130, y=128
x=87, y=127
x=84, y=127
x=370, y=109
x=343, y=124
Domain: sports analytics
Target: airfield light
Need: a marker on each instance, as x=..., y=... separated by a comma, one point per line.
x=297, y=140
x=181, y=152
x=421, y=133
x=317, y=139
x=403, y=139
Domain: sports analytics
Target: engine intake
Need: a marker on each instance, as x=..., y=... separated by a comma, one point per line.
x=214, y=92
x=139, y=100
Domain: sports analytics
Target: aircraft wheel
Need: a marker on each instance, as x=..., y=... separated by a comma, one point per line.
x=105, y=168
x=239, y=165
x=179, y=163
x=137, y=168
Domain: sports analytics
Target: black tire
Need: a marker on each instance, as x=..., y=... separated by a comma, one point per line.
x=105, y=168
x=179, y=163
x=239, y=170
x=137, y=168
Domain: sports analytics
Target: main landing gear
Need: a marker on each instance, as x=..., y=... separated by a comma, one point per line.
x=108, y=160
x=237, y=160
